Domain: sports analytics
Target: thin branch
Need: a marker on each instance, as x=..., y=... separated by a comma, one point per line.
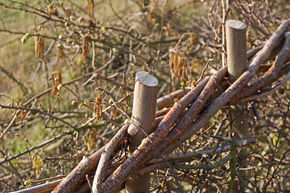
x=11, y=76
x=35, y=147
x=38, y=111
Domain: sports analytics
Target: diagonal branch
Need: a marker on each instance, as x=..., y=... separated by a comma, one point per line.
x=106, y=155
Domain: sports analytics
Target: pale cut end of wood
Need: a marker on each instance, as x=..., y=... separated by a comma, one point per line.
x=146, y=79
x=236, y=24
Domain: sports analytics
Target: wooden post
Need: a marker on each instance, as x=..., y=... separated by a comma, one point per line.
x=236, y=47
x=237, y=64
x=143, y=115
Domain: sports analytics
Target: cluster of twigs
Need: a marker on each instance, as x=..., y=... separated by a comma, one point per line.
x=70, y=40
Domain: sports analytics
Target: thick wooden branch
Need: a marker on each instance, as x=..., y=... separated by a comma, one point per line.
x=110, y=148
x=168, y=99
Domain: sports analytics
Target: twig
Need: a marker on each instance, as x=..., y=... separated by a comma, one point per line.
x=203, y=71
x=173, y=173
x=205, y=166
x=38, y=111
x=97, y=75
x=11, y=76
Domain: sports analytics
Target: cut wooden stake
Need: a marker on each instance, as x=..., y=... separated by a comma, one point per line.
x=237, y=63
x=236, y=47
x=143, y=116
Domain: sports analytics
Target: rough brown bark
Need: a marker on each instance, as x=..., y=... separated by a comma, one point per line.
x=168, y=99
x=110, y=148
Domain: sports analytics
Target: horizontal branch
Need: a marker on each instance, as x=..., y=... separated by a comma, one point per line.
x=42, y=188
x=189, y=156
x=37, y=111
x=168, y=99
x=35, y=147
